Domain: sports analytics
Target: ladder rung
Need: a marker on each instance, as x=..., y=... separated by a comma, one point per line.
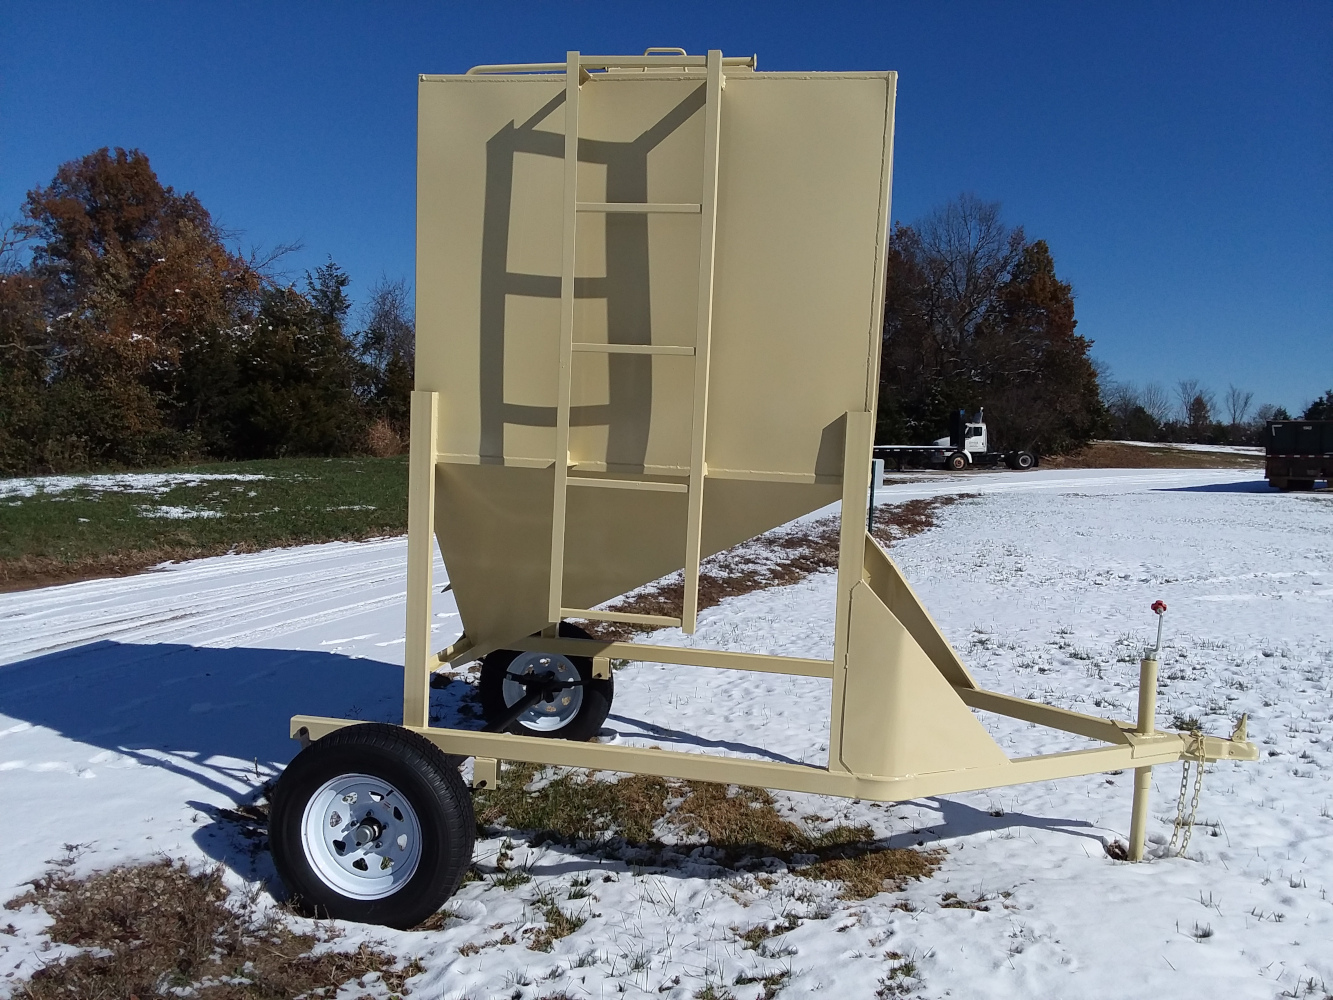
x=612, y=616
x=629, y=484
x=687, y=352
x=640, y=207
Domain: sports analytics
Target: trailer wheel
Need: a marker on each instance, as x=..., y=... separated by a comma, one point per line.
x=575, y=712
x=372, y=824
x=957, y=461
x=1302, y=485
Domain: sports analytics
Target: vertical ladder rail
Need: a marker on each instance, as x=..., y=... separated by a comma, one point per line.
x=570, y=214
x=689, y=613
x=420, y=556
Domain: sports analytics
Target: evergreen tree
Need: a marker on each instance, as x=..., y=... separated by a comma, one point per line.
x=1321, y=408
x=975, y=316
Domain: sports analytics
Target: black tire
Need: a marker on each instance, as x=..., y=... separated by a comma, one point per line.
x=957, y=461
x=593, y=696
x=1023, y=460
x=421, y=775
x=1301, y=485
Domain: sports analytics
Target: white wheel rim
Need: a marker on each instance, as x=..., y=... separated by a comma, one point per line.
x=545, y=716
x=361, y=836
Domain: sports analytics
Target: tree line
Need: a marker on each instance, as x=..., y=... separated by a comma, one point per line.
x=1192, y=412
x=131, y=334
x=975, y=316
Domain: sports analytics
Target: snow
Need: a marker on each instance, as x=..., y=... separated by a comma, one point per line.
x=176, y=513
x=129, y=482
x=133, y=710
x=1229, y=449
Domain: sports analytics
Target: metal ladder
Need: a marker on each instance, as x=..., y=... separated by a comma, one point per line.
x=575, y=76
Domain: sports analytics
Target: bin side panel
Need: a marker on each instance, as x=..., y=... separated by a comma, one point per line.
x=802, y=184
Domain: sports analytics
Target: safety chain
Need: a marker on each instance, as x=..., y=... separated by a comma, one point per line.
x=1193, y=755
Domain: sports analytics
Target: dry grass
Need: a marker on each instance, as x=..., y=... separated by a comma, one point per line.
x=559, y=924
x=160, y=930
x=1110, y=455
x=742, y=823
x=772, y=984
x=742, y=819
x=776, y=558
x=866, y=873
x=573, y=806
x=30, y=571
x=383, y=441
x=753, y=939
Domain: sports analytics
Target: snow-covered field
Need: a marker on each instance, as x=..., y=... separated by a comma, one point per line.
x=133, y=710
x=1226, y=449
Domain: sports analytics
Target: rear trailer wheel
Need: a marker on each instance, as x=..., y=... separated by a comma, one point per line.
x=372, y=824
x=572, y=704
x=957, y=461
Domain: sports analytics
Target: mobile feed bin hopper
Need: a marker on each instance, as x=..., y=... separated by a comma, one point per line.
x=649, y=297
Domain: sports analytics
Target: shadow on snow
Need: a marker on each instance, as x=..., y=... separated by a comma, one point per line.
x=219, y=717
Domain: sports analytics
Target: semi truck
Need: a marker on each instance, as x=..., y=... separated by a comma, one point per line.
x=1298, y=453
x=968, y=444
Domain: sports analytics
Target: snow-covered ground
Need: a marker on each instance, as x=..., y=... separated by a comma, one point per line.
x=1229, y=449
x=119, y=482
x=133, y=710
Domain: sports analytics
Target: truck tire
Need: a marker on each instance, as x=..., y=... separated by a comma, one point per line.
x=957, y=461
x=1023, y=460
x=409, y=850
x=1302, y=485
x=572, y=713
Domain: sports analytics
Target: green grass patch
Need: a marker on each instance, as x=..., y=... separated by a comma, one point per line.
x=86, y=526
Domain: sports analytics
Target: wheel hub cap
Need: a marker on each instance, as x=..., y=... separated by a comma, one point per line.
x=361, y=836
x=558, y=705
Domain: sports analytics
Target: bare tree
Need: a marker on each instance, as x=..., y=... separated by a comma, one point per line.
x=12, y=236
x=1238, y=404
x=969, y=252
x=1121, y=399
x=1267, y=412
x=388, y=326
x=1187, y=389
x=1155, y=401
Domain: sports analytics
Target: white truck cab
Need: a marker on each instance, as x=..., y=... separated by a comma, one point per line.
x=975, y=441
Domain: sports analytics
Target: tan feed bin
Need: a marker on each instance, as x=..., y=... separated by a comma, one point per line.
x=649, y=308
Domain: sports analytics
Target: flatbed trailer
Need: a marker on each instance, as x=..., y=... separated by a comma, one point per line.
x=968, y=444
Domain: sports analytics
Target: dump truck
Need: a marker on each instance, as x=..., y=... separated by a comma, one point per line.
x=1298, y=453
x=968, y=444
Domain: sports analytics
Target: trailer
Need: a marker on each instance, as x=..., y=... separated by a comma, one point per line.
x=1298, y=453
x=649, y=309
x=968, y=444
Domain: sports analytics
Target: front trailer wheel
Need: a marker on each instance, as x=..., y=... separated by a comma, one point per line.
x=372, y=824
x=570, y=703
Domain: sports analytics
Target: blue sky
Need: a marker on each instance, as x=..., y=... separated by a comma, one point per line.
x=1178, y=158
